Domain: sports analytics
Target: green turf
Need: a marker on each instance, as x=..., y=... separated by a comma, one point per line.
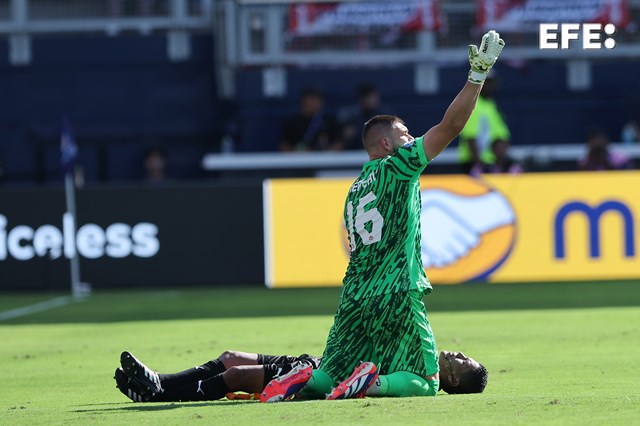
x=107, y=306
x=558, y=362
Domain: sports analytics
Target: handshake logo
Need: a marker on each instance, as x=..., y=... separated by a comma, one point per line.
x=465, y=235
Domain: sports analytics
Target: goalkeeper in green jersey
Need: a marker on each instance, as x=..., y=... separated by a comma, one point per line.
x=381, y=342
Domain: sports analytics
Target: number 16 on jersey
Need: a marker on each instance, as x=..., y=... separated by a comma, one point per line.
x=363, y=217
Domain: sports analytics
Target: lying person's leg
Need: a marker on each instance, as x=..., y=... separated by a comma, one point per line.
x=244, y=378
x=241, y=378
x=237, y=372
x=156, y=382
x=209, y=369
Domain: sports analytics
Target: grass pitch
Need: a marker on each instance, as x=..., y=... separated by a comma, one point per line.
x=556, y=354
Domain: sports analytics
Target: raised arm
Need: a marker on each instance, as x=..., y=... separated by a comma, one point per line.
x=439, y=136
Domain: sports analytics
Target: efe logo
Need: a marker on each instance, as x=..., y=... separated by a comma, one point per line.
x=118, y=240
x=559, y=36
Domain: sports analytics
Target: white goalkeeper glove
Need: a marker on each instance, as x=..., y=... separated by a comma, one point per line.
x=482, y=60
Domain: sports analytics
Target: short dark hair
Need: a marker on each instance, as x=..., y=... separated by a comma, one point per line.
x=385, y=120
x=473, y=381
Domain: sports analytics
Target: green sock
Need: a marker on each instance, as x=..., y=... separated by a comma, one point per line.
x=318, y=386
x=403, y=383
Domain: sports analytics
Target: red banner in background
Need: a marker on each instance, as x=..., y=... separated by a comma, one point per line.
x=310, y=19
x=525, y=15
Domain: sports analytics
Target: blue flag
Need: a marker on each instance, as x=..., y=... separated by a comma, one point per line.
x=68, y=147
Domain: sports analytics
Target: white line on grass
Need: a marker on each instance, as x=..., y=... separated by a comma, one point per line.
x=36, y=307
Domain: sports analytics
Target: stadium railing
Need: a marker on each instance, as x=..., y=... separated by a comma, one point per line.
x=262, y=33
x=22, y=19
x=259, y=33
x=540, y=154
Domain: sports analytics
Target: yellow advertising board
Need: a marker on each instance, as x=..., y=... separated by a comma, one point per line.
x=500, y=228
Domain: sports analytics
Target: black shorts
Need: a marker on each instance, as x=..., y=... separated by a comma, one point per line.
x=311, y=360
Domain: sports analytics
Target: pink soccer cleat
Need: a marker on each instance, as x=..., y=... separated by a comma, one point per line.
x=284, y=387
x=357, y=384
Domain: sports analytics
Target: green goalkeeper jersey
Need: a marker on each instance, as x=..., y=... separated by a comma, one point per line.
x=382, y=216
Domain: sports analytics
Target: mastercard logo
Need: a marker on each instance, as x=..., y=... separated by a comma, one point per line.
x=468, y=229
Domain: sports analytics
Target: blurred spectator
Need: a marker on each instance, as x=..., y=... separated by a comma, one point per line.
x=352, y=118
x=630, y=133
x=503, y=162
x=155, y=165
x=485, y=126
x=311, y=129
x=599, y=156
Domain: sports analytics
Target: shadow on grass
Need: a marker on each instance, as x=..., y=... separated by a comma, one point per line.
x=152, y=406
x=243, y=302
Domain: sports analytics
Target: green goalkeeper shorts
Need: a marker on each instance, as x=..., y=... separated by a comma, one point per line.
x=391, y=330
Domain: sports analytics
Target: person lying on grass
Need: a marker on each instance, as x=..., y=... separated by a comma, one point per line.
x=250, y=373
